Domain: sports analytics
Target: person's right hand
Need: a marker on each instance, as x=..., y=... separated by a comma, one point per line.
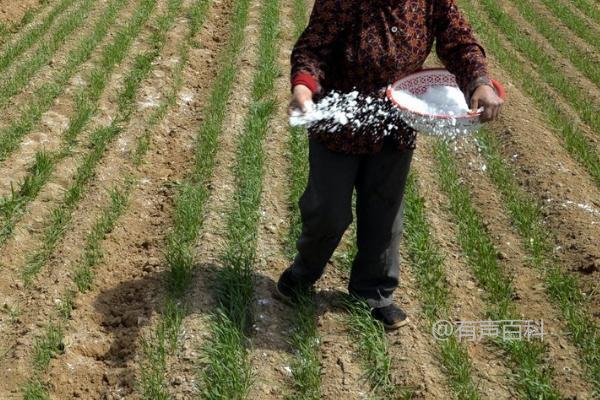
x=301, y=100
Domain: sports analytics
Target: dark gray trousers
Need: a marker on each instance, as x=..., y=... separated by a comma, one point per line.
x=326, y=210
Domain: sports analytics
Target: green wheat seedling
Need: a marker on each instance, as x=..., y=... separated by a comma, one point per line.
x=574, y=139
x=533, y=375
x=188, y=215
x=305, y=340
x=163, y=340
x=196, y=16
x=35, y=390
x=102, y=137
x=8, y=31
x=526, y=215
x=43, y=97
x=235, y=292
x=12, y=207
x=306, y=366
x=92, y=255
x=92, y=251
x=373, y=350
x=589, y=8
x=561, y=42
x=587, y=110
x=12, y=52
x=370, y=337
x=27, y=69
x=573, y=22
x=51, y=343
x=428, y=266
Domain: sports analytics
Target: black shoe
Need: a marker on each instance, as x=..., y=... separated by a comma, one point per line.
x=392, y=317
x=289, y=289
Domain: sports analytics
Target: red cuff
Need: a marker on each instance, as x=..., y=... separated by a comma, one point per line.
x=307, y=80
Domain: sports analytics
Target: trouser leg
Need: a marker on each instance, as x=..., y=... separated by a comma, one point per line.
x=380, y=188
x=325, y=208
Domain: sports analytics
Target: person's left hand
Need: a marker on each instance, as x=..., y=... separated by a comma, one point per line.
x=485, y=96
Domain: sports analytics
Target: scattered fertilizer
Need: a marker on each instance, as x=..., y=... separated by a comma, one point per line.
x=355, y=111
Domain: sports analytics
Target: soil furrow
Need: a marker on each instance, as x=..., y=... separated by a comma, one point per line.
x=272, y=326
x=466, y=304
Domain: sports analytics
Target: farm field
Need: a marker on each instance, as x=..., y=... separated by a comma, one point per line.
x=148, y=190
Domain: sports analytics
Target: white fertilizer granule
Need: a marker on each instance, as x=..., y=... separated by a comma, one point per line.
x=364, y=113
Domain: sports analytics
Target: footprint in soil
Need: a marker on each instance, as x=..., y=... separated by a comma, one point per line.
x=128, y=307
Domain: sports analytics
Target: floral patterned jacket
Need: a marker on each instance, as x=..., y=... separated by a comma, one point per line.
x=367, y=44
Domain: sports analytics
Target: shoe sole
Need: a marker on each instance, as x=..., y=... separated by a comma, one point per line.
x=395, y=326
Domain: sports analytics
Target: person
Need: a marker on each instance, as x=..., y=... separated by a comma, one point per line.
x=364, y=46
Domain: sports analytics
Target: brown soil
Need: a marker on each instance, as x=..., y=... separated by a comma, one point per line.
x=12, y=12
x=130, y=290
x=575, y=75
x=531, y=299
x=545, y=169
x=49, y=286
x=558, y=25
x=103, y=354
x=272, y=326
x=47, y=135
x=466, y=303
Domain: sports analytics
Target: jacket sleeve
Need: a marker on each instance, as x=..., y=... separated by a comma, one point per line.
x=313, y=49
x=458, y=49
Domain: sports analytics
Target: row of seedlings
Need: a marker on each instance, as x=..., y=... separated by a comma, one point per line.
x=305, y=340
x=526, y=215
x=188, y=214
x=227, y=372
x=561, y=42
x=51, y=342
x=12, y=51
x=23, y=72
x=533, y=375
x=10, y=30
x=589, y=8
x=100, y=139
x=581, y=28
x=43, y=97
x=13, y=207
x=427, y=264
x=574, y=138
x=548, y=70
